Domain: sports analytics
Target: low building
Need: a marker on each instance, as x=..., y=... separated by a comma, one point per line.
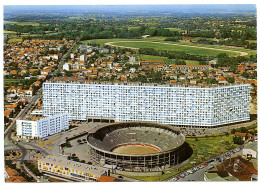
x=61, y=167
x=213, y=176
x=244, y=136
x=250, y=150
x=151, y=63
x=12, y=175
x=43, y=127
x=37, y=112
x=66, y=66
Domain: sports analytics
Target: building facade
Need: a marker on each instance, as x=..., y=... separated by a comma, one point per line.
x=43, y=127
x=71, y=170
x=187, y=106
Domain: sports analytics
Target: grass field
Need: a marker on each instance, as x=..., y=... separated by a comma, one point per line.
x=252, y=41
x=186, y=49
x=192, y=62
x=210, y=51
x=103, y=41
x=22, y=23
x=249, y=51
x=174, y=29
x=15, y=40
x=6, y=32
x=152, y=58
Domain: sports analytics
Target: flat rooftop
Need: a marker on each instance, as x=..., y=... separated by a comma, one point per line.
x=81, y=81
x=61, y=161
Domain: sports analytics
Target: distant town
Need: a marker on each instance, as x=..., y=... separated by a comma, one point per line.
x=145, y=98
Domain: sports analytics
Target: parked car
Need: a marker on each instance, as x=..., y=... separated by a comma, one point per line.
x=210, y=167
x=186, y=173
x=210, y=160
x=182, y=175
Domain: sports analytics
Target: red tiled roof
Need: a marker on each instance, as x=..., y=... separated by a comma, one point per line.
x=104, y=178
x=240, y=134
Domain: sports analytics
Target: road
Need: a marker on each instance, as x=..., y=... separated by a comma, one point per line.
x=22, y=146
x=199, y=174
x=62, y=59
x=21, y=114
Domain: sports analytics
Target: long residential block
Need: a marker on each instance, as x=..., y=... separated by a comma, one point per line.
x=191, y=106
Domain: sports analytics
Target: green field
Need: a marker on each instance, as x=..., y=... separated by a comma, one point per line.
x=252, y=41
x=185, y=49
x=249, y=51
x=22, y=23
x=173, y=29
x=184, y=46
x=152, y=58
x=192, y=62
x=15, y=40
x=5, y=32
x=103, y=41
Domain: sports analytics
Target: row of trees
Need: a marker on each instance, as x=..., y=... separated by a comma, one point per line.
x=225, y=61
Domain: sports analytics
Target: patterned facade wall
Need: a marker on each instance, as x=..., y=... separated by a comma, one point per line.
x=161, y=104
x=43, y=127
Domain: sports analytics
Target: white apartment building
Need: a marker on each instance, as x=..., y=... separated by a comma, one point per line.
x=183, y=106
x=43, y=127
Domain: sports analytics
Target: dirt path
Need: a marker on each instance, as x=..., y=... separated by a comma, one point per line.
x=111, y=44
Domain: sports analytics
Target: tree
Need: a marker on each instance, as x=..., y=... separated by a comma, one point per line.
x=67, y=73
x=243, y=130
x=245, y=74
x=238, y=140
x=233, y=131
x=6, y=119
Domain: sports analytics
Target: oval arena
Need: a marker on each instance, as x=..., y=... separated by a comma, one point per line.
x=137, y=146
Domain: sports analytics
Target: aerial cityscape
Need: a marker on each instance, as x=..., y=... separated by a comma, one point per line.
x=130, y=93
